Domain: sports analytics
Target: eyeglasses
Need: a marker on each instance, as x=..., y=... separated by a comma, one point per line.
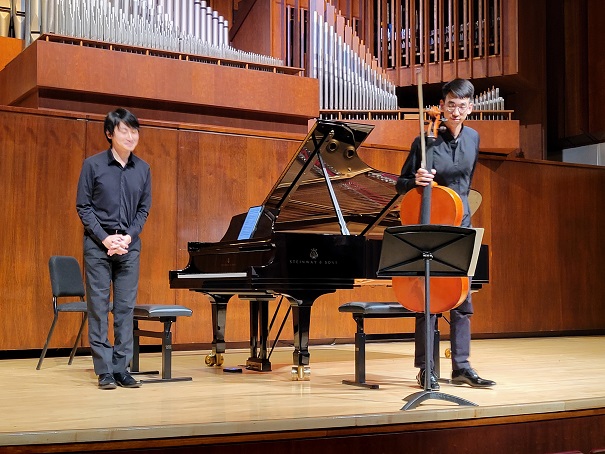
x=461, y=108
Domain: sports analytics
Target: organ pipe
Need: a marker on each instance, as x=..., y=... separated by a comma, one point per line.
x=349, y=78
x=183, y=26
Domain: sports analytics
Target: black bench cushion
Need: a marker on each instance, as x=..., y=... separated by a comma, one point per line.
x=159, y=310
x=375, y=308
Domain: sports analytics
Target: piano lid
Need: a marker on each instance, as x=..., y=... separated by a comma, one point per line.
x=326, y=167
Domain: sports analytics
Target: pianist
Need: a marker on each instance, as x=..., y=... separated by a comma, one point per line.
x=455, y=155
x=113, y=201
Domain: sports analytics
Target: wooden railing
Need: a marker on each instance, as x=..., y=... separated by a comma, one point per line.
x=220, y=60
x=406, y=114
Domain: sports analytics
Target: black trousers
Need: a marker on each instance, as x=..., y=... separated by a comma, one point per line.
x=460, y=336
x=103, y=272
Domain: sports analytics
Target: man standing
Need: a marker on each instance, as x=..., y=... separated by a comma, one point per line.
x=113, y=201
x=455, y=154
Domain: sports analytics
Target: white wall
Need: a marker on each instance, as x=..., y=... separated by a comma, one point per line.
x=589, y=154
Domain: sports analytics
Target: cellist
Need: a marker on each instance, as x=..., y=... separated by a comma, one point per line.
x=455, y=154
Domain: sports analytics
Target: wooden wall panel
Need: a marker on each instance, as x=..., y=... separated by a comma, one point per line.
x=546, y=248
x=483, y=321
x=41, y=157
x=219, y=176
x=524, y=218
x=158, y=146
x=254, y=33
x=9, y=49
x=596, y=69
x=159, y=88
x=497, y=136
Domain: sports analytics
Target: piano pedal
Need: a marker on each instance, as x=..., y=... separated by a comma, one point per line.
x=301, y=373
x=214, y=359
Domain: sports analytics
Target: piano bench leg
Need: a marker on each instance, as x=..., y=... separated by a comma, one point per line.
x=360, y=357
x=166, y=336
x=360, y=344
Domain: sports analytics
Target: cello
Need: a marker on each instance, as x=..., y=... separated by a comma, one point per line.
x=431, y=204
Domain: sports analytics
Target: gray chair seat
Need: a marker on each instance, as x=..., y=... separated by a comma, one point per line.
x=72, y=307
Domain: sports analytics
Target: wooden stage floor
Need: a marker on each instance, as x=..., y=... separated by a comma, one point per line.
x=61, y=404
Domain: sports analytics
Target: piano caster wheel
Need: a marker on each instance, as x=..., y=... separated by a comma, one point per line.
x=448, y=353
x=301, y=373
x=214, y=359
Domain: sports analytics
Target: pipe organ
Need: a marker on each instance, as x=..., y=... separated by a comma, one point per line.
x=452, y=38
x=5, y=17
x=12, y=18
x=349, y=76
x=183, y=26
x=418, y=32
x=489, y=105
x=358, y=59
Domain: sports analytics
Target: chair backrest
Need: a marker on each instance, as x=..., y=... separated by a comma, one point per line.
x=65, y=276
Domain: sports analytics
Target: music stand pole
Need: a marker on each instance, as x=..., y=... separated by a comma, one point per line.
x=415, y=399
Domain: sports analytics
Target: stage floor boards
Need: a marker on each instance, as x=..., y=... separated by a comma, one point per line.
x=62, y=404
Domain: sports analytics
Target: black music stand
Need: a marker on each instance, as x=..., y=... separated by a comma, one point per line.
x=427, y=250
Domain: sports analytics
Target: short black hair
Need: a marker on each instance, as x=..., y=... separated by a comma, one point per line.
x=120, y=115
x=460, y=88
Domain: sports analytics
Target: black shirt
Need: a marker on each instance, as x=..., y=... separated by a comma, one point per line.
x=453, y=159
x=111, y=197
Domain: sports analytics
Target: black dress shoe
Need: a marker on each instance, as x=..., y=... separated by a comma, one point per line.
x=434, y=382
x=125, y=380
x=106, y=381
x=469, y=377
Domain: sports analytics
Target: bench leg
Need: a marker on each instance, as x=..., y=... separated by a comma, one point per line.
x=167, y=355
x=360, y=357
x=167, y=351
x=166, y=336
x=436, y=340
x=136, y=352
x=136, y=349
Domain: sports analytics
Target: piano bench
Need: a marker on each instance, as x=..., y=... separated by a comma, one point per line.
x=167, y=315
x=361, y=311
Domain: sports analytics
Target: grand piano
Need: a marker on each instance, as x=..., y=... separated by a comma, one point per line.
x=319, y=230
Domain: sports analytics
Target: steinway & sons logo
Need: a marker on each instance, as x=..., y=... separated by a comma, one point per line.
x=313, y=259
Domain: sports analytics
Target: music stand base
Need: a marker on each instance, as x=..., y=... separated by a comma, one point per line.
x=162, y=380
x=413, y=400
x=361, y=384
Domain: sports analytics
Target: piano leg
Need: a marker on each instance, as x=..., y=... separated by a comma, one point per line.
x=219, y=319
x=259, y=321
x=301, y=318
